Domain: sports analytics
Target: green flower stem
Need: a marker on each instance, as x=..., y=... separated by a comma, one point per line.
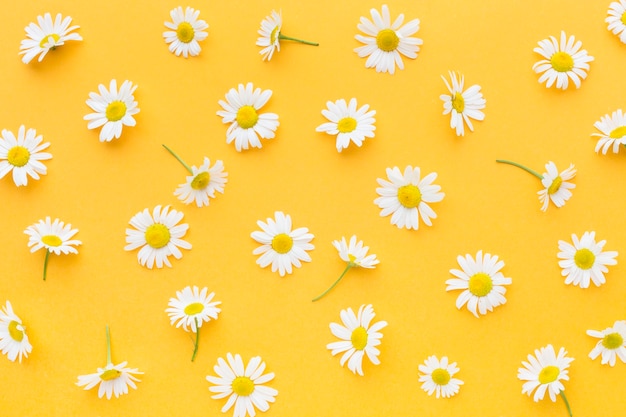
x=179, y=160
x=45, y=264
x=535, y=173
x=109, y=362
x=569, y=410
x=350, y=265
x=195, y=347
x=287, y=38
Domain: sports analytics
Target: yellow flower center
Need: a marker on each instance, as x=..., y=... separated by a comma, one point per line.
x=387, y=40
x=618, y=132
x=440, y=376
x=556, y=184
x=44, y=40
x=18, y=156
x=185, y=32
x=201, y=181
x=15, y=331
x=351, y=258
x=110, y=374
x=194, y=308
x=157, y=235
x=51, y=240
x=116, y=110
x=562, y=62
x=623, y=18
x=243, y=386
x=359, y=338
x=549, y=374
x=409, y=196
x=274, y=35
x=480, y=284
x=584, y=258
x=458, y=102
x=282, y=243
x=612, y=341
x=346, y=125
x=247, y=116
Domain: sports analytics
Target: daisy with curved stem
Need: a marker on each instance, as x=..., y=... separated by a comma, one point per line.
x=112, y=379
x=190, y=309
x=463, y=105
x=22, y=155
x=13, y=338
x=616, y=19
x=386, y=41
x=407, y=197
x=612, y=343
x=203, y=182
x=271, y=35
x=55, y=237
x=241, y=110
x=46, y=36
x=242, y=384
x=355, y=254
x=159, y=235
x=556, y=185
x=348, y=123
x=562, y=61
x=359, y=338
x=544, y=372
x=437, y=377
x=186, y=31
x=613, y=130
x=584, y=261
x=113, y=109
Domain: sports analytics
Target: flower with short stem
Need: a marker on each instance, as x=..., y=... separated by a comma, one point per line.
x=271, y=35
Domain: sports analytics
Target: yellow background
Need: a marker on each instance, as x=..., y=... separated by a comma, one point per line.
x=98, y=187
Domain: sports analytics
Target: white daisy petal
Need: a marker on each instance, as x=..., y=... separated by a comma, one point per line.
x=187, y=31
x=544, y=372
x=463, y=105
x=584, y=261
x=556, y=186
x=436, y=377
x=563, y=60
x=14, y=342
x=112, y=110
x=47, y=36
x=348, y=123
x=21, y=155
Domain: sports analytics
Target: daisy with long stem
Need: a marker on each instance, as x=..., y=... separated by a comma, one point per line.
x=271, y=35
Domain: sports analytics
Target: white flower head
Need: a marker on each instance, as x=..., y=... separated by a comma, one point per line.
x=612, y=343
x=463, y=105
x=159, y=235
x=584, y=261
x=557, y=185
x=562, y=61
x=613, y=130
x=186, y=31
x=241, y=111
x=386, y=41
x=22, y=155
x=359, y=337
x=243, y=385
x=271, y=35
x=13, y=338
x=281, y=246
x=46, y=36
x=617, y=20
x=348, y=123
x=544, y=372
x=113, y=109
x=407, y=197
x=437, y=377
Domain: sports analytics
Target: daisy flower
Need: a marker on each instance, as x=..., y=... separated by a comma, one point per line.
x=242, y=384
x=113, y=109
x=46, y=36
x=55, y=237
x=616, y=19
x=22, y=155
x=355, y=255
x=386, y=41
x=584, y=261
x=563, y=60
x=612, y=343
x=613, y=130
x=158, y=234
x=358, y=338
x=463, y=105
x=481, y=281
x=13, y=338
x=437, y=377
x=280, y=245
x=246, y=124
x=186, y=31
x=348, y=123
x=407, y=197
x=113, y=379
x=190, y=309
x=271, y=35
x=202, y=183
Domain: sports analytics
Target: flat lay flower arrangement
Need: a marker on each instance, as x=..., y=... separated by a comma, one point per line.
x=242, y=226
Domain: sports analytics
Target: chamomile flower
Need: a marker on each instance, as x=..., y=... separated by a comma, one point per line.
x=584, y=261
x=271, y=35
x=616, y=19
x=13, y=338
x=190, y=309
x=55, y=237
x=386, y=42
x=241, y=110
x=359, y=337
x=113, y=109
x=186, y=31
x=159, y=235
x=612, y=343
x=407, y=197
x=563, y=60
x=46, y=36
x=22, y=155
x=243, y=385
x=348, y=123
x=462, y=104
x=613, y=130
x=437, y=377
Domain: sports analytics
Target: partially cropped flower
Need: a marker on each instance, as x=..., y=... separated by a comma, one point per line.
x=616, y=19
x=437, y=377
x=113, y=109
x=55, y=237
x=186, y=31
x=584, y=261
x=271, y=35
x=612, y=343
x=22, y=155
x=47, y=36
x=562, y=61
x=613, y=130
x=348, y=123
x=463, y=105
x=13, y=338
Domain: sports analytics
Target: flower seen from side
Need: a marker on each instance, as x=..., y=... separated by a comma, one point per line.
x=271, y=35
x=612, y=343
x=22, y=155
x=563, y=60
x=584, y=261
x=437, y=377
x=46, y=35
x=113, y=109
x=14, y=341
x=348, y=123
x=186, y=30
x=616, y=19
x=613, y=130
x=462, y=105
